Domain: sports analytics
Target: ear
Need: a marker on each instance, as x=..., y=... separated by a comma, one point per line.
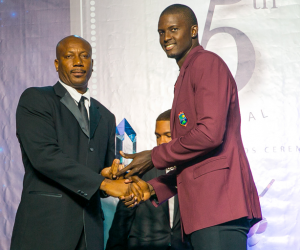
x=194, y=31
x=56, y=64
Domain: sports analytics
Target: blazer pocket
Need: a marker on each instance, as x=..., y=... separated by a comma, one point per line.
x=210, y=165
x=46, y=194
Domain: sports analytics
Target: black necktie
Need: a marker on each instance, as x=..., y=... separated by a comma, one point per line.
x=84, y=113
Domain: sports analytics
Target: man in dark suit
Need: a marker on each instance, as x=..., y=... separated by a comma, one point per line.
x=216, y=192
x=144, y=226
x=66, y=139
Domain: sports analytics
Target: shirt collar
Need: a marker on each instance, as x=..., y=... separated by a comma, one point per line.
x=76, y=95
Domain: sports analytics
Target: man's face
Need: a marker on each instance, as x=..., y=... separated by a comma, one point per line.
x=175, y=35
x=163, y=132
x=74, y=63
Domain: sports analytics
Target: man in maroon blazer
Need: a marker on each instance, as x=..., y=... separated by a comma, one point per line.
x=217, y=195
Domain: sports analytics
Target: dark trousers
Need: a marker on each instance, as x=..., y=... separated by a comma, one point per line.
x=231, y=235
x=81, y=243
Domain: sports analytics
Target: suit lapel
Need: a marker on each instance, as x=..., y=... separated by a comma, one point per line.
x=165, y=208
x=178, y=85
x=176, y=93
x=69, y=102
x=95, y=117
x=176, y=216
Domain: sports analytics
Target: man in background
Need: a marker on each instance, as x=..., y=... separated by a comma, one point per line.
x=144, y=226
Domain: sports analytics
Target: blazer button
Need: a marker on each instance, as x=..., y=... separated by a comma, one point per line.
x=91, y=149
x=85, y=195
x=79, y=191
x=82, y=192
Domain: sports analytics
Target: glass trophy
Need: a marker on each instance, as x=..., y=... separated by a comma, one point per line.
x=125, y=141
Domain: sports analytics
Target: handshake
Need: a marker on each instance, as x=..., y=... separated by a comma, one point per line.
x=128, y=187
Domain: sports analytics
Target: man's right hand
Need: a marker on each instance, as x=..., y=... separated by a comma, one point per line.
x=124, y=188
x=140, y=187
x=116, y=188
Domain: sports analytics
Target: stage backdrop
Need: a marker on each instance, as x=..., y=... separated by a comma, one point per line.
x=258, y=39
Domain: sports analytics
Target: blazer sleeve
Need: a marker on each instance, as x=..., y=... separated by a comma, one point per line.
x=213, y=86
x=165, y=187
x=37, y=136
x=120, y=228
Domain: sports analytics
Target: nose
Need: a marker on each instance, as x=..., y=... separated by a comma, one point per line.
x=163, y=139
x=77, y=61
x=167, y=36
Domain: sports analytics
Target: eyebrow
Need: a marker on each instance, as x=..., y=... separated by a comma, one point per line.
x=169, y=132
x=170, y=27
x=72, y=52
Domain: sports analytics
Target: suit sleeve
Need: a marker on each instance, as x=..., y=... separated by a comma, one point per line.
x=165, y=187
x=110, y=154
x=120, y=228
x=213, y=85
x=37, y=135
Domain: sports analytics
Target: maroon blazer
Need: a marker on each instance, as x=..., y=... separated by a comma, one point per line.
x=213, y=177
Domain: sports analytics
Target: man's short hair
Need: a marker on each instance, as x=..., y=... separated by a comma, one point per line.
x=186, y=12
x=165, y=116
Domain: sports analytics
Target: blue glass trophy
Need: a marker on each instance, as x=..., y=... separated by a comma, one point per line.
x=125, y=141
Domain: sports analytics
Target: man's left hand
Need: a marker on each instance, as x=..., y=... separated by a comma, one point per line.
x=110, y=172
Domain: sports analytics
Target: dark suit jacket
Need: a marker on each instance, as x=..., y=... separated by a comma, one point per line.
x=146, y=227
x=213, y=177
x=62, y=163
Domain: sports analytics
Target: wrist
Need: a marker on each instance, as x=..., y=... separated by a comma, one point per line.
x=103, y=187
x=104, y=184
x=151, y=189
x=103, y=194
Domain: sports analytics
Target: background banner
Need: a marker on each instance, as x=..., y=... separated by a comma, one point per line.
x=258, y=39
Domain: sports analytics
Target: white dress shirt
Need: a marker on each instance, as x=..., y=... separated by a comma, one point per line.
x=77, y=96
x=171, y=202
